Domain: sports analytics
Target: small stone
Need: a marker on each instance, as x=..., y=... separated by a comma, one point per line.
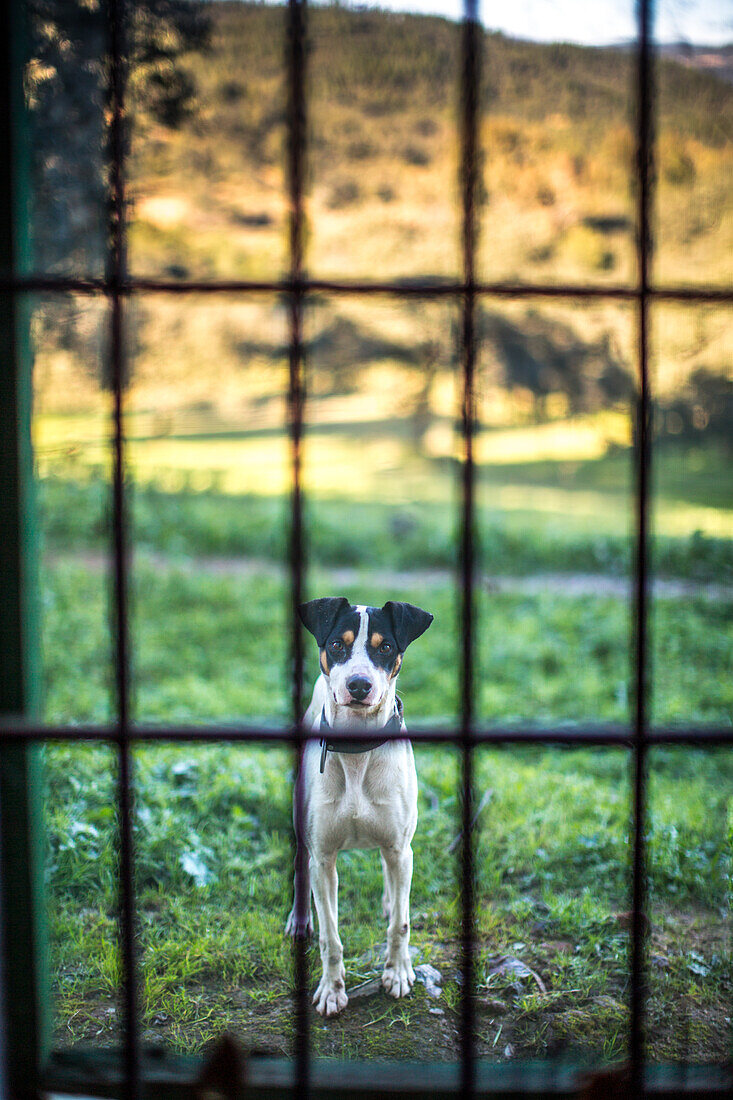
x=365, y=989
x=509, y=1051
x=430, y=978
x=506, y=965
x=436, y=1012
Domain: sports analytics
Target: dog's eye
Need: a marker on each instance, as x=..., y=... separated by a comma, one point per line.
x=335, y=646
x=385, y=647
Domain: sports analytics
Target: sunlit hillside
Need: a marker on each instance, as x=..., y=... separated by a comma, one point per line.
x=208, y=196
x=556, y=379
x=557, y=135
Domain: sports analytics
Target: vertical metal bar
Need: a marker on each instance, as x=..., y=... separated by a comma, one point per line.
x=471, y=47
x=24, y=940
x=643, y=465
x=4, y=1076
x=296, y=398
x=116, y=11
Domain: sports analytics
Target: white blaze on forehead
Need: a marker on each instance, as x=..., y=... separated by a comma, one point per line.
x=359, y=650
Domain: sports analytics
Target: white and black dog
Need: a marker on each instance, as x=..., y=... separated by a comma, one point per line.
x=358, y=794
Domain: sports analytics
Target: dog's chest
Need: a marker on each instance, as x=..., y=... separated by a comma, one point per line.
x=357, y=822
x=363, y=807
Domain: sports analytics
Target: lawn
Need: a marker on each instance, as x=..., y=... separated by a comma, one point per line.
x=209, y=520
x=209, y=469
x=213, y=826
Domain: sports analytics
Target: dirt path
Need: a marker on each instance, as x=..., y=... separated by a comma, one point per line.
x=566, y=584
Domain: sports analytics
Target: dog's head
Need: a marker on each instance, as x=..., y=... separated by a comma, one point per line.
x=362, y=647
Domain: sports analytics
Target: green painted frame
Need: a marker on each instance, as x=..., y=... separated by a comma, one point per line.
x=166, y=1076
x=25, y=939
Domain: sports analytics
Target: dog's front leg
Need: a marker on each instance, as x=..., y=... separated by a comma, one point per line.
x=398, y=977
x=300, y=920
x=330, y=997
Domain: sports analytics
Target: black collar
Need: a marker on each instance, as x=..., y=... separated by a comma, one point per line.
x=363, y=744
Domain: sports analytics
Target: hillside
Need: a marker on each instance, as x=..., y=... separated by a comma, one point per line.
x=208, y=200
x=717, y=60
x=557, y=134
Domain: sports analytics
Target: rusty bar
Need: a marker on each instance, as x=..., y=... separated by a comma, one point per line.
x=296, y=113
x=18, y=731
x=116, y=14
x=469, y=176
x=414, y=288
x=645, y=145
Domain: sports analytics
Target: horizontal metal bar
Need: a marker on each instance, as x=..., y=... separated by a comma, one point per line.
x=173, y=1077
x=610, y=735
x=417, y=288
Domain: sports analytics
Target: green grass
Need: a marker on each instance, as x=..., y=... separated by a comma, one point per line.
x=213, y=827
x=533, y=517
x=542, y=657
x=214, y=886
x=209, y=456
x=210, y=642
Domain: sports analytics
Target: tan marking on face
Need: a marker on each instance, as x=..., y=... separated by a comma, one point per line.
x=324, y=663
x=397, y=666
x=348, y=637
x=376, y=640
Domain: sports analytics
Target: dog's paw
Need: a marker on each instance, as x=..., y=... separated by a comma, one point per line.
x=398, y=978
x=297, y=929
x=330, y=997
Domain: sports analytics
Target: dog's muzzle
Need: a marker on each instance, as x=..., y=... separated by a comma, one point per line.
x=359, y=687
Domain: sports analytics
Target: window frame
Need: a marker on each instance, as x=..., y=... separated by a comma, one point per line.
x=29, y=1063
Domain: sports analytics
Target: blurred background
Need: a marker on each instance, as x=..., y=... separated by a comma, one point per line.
x=208, y=474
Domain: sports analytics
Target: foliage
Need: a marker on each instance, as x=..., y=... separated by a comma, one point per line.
x=195, y=523
x=198, y=630
x=546, y=357
x=213, y=829
x=66, y=87
x=205, y=166
x=705, y=405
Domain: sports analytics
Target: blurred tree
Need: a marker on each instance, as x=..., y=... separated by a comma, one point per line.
x=66, y=79
x=703, y=409
x=544, y=357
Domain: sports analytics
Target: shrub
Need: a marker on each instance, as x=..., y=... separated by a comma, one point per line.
x=344, y=193
x=679, y=169
x=360, y=150
x=413, y=154
x=426, y=127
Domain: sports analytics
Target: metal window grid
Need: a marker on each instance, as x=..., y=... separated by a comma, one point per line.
x=117, y=286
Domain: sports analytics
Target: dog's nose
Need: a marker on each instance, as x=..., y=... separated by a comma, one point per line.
x=359, y=687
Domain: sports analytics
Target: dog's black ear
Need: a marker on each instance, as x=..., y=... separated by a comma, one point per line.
x=408, y=622
x=318, y=616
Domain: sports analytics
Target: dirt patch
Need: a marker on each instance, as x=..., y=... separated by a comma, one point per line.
x=688, y=1012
